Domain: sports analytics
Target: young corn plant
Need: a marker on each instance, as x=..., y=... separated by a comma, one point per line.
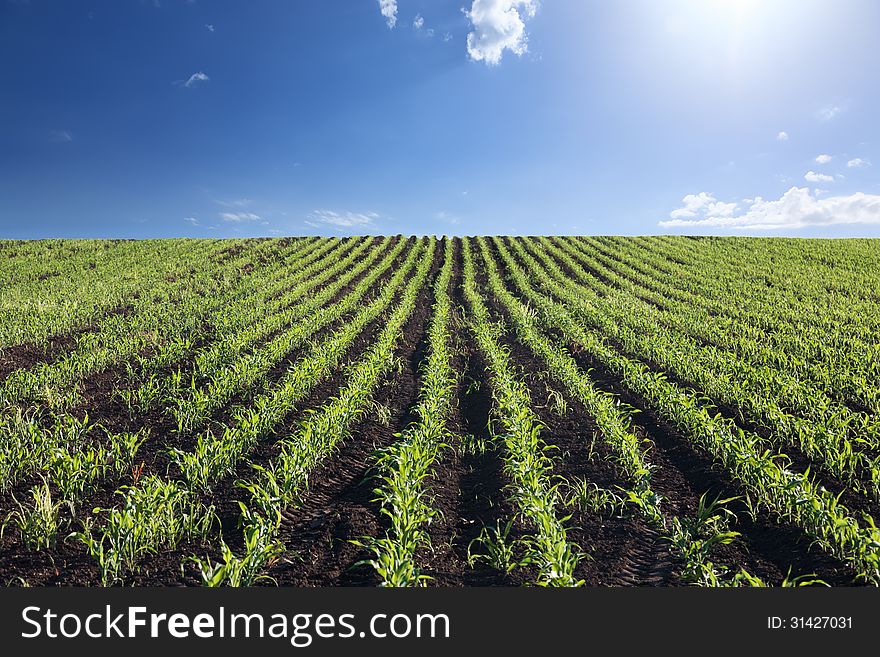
x=402, y=500
x=38, y=524
x=471, y=445
x=498, y=549
x=587, y=496
x=696, y=536
x=156, y=514
x=260, y=551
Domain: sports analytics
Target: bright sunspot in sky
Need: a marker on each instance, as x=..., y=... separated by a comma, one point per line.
x=130, y=118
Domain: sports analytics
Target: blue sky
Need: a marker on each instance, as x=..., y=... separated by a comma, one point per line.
x=142, y=118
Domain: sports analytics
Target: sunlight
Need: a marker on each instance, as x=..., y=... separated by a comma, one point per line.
x=738, y=7
x=734, y=13
x=729, y=29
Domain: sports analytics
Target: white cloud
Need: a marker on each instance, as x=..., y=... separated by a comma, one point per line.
x=239, y=216
x=209, y=27
x=812, y=176
x=234, y=203
x=389, y=11
x=824, y=158
x=782, y=136
x=447, y=37
x=342, y=220
x=419, y=26
x=447, y=217
x=60, y=136
x=829, y=112
x=195, y=78
x=498, y=26
x=797, y=208
x=703, y=203
x=857, y=162
x=192, y=220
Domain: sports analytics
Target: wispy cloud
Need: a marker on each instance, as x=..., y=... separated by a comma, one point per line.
x=389, y=11
x=782, y=135
x=829, y=112
x=195, y=222
x=341, y=219
x=812, y=176
x=60, y=136
x=824, y=158
x=447, y=217
x=195, y=79
x=857, y=162
x=240, y=216
x=419, y=26
x=234, y=203
x=209, y=27
x=797, y=208
x=498, y=25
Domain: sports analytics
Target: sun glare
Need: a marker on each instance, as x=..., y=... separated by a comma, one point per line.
x=733, y=13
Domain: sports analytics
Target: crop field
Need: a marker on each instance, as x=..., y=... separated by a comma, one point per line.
x=391, y=411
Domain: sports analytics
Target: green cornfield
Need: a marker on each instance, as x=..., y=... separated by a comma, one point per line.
x=393, y=411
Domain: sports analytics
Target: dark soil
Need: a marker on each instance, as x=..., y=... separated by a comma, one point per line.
x=28, y=355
